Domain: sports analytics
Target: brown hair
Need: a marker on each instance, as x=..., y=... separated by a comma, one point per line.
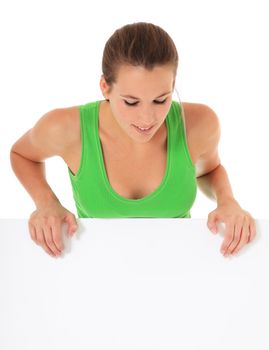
x=138, y=44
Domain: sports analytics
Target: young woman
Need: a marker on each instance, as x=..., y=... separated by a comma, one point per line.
x=137, y=153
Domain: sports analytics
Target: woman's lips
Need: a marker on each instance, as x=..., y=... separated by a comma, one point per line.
x=144, y=127
x=147, y=131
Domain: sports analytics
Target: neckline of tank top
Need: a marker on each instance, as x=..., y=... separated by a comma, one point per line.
x=104, y=173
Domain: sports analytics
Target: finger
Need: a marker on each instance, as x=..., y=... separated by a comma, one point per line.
x=243, y=238
x=229, y=235
x=49, y=240
x=238, y=226
x=252, y=226
x=72, y=223
x=56, y=230
x=32, y=232
x=40, y=240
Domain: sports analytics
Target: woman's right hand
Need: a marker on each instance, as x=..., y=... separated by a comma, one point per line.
x=45, y=226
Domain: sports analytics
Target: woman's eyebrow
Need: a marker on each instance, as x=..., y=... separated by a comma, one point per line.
x=137, y=98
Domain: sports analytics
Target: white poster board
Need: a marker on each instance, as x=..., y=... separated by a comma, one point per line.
x=133, y=284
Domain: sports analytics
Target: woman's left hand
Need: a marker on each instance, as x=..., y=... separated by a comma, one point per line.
x=239, y=224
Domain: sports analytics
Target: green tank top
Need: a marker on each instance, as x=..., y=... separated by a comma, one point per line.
x=94, y=196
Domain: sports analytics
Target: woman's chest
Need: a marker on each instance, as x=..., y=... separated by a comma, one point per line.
x=134, y=175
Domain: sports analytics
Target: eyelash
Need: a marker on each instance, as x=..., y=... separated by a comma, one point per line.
x=134, y=104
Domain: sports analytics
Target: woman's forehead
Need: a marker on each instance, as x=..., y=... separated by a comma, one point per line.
x=131, y=82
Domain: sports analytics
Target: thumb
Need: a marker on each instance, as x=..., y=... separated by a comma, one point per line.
x=212, y=224
x=72, y=224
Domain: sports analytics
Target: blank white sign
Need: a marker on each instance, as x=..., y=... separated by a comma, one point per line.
x=133, y=284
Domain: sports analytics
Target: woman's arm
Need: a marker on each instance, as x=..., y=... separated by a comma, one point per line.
x=213, y=180
x=216, y=185
x=28, y=153
x=46, y=139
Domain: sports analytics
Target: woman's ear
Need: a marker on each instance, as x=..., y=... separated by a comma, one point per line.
x=103, y=87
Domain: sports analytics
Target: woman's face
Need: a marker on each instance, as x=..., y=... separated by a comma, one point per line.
x=140, y=98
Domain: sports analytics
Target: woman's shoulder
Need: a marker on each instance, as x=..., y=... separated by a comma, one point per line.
x=199, y=117
x=202, y=123
x=68, y=121
x=60, y=127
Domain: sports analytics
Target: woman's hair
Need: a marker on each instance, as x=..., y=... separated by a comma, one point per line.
x=138, y=44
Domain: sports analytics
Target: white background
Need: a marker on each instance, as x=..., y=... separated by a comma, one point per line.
x=51, y=54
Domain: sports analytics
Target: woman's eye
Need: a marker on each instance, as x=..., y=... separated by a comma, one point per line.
x=130, y=104
x=160, y=102
x=133, y=104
